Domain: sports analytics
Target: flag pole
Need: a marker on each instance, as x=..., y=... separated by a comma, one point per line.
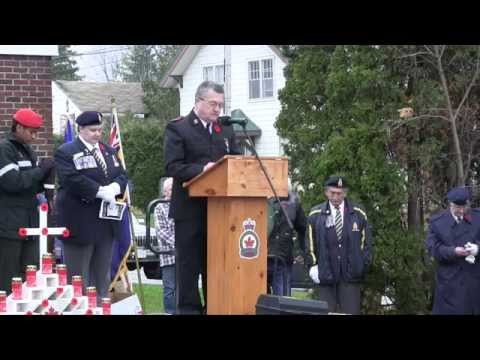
x=133, y=241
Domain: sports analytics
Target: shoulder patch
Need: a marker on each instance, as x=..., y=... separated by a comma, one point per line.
x=313, y=212
x=361, y=211
x=177, y=119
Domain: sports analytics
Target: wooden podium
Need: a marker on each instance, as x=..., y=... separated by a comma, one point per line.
x=237, y=192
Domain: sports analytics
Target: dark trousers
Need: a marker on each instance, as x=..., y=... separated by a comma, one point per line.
x=279, y=277
x=92, y=262
x=342, y=297
x=191, y=261
x=15, y=255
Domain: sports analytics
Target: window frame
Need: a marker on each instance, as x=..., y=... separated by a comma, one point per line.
x=260, y=60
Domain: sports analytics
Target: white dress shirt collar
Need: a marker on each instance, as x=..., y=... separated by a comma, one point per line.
x=333, y=209
x=202, y=121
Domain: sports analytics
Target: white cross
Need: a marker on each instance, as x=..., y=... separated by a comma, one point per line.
x=43, y=230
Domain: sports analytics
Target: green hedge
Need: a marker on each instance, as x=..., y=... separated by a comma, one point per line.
x=142, y=141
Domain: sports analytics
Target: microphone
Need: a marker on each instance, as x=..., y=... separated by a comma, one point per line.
x=227, y=121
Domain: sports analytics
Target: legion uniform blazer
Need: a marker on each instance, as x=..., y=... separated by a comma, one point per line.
x=79, y=179
x=457, y=289
x=347, y=258
x=188, y=147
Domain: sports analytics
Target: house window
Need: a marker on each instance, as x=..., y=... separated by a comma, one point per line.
x=267, y=78
x=260, y=79
x=208, y=73
x=214, y=73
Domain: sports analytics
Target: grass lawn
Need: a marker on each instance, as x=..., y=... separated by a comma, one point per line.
x=154, y=297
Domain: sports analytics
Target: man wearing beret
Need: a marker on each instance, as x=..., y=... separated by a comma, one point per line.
x=339, y=248
x=452, y=240
x=90, y=175
x=20, y=182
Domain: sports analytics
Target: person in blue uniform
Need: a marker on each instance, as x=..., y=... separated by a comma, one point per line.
x=453, y=239
x=21, y=179
x=89, y=174
x=192, y=144
x=339, y=248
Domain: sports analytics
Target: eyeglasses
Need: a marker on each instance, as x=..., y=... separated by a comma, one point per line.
x=213, y=104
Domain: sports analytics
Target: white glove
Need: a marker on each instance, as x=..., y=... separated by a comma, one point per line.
x=314, y=274
x=115, y=187
x=470, y=259
x=106, y=193
x=471, y=248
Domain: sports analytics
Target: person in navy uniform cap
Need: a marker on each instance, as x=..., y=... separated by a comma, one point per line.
x=21, y=179
x=89, y=173
x=192, y=145
x=339, y=248
x=452, y=240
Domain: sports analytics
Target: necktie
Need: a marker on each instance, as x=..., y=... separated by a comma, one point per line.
x=338, y=223
x=99, y=161
x=207, y=128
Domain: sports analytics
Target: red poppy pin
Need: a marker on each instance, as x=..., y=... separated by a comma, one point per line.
x=216, y=128
x=467, y=217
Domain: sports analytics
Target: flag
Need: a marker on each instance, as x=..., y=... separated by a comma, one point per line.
x=122, y=244
x=68, y=135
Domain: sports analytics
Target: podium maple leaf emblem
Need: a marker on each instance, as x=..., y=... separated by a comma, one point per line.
x=249, y=242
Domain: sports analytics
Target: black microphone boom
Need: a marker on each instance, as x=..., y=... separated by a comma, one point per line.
x=227, y=121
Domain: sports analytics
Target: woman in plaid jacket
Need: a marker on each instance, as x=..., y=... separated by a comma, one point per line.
x=165, y=229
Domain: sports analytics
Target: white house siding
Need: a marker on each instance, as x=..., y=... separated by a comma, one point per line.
x=262, y=111
x=38, y=50
x=59, y=109
x=193, y=76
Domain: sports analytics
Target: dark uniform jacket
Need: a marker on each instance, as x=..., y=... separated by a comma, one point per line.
x=77, y=207
x=457, y=281
x=188, y=148
x=347, y=258
x=20, y=181
x=280, y=238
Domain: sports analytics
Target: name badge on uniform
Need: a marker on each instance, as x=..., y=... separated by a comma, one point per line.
x=330, y=222
x=355, y=227
x=85, y=162
x=227, y=146
x=115, y=162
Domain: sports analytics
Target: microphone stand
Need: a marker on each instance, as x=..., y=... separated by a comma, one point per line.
x=243, y=125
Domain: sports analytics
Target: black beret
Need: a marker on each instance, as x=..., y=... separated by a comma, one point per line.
x=336, y=181
x=459, y=195
x=89, y=118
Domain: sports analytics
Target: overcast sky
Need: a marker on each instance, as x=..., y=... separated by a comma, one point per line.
x=92, y=57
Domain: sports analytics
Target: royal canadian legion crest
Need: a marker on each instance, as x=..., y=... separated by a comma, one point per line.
x=249, y=241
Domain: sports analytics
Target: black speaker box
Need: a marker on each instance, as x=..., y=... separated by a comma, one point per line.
x=283, y=305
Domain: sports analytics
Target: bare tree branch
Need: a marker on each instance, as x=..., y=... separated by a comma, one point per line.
x=472, y=82
x=429, y=51
x=439, y=50
x=413, y=54
x=398, y=123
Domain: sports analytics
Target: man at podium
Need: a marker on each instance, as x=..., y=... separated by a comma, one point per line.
x=192, y=144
